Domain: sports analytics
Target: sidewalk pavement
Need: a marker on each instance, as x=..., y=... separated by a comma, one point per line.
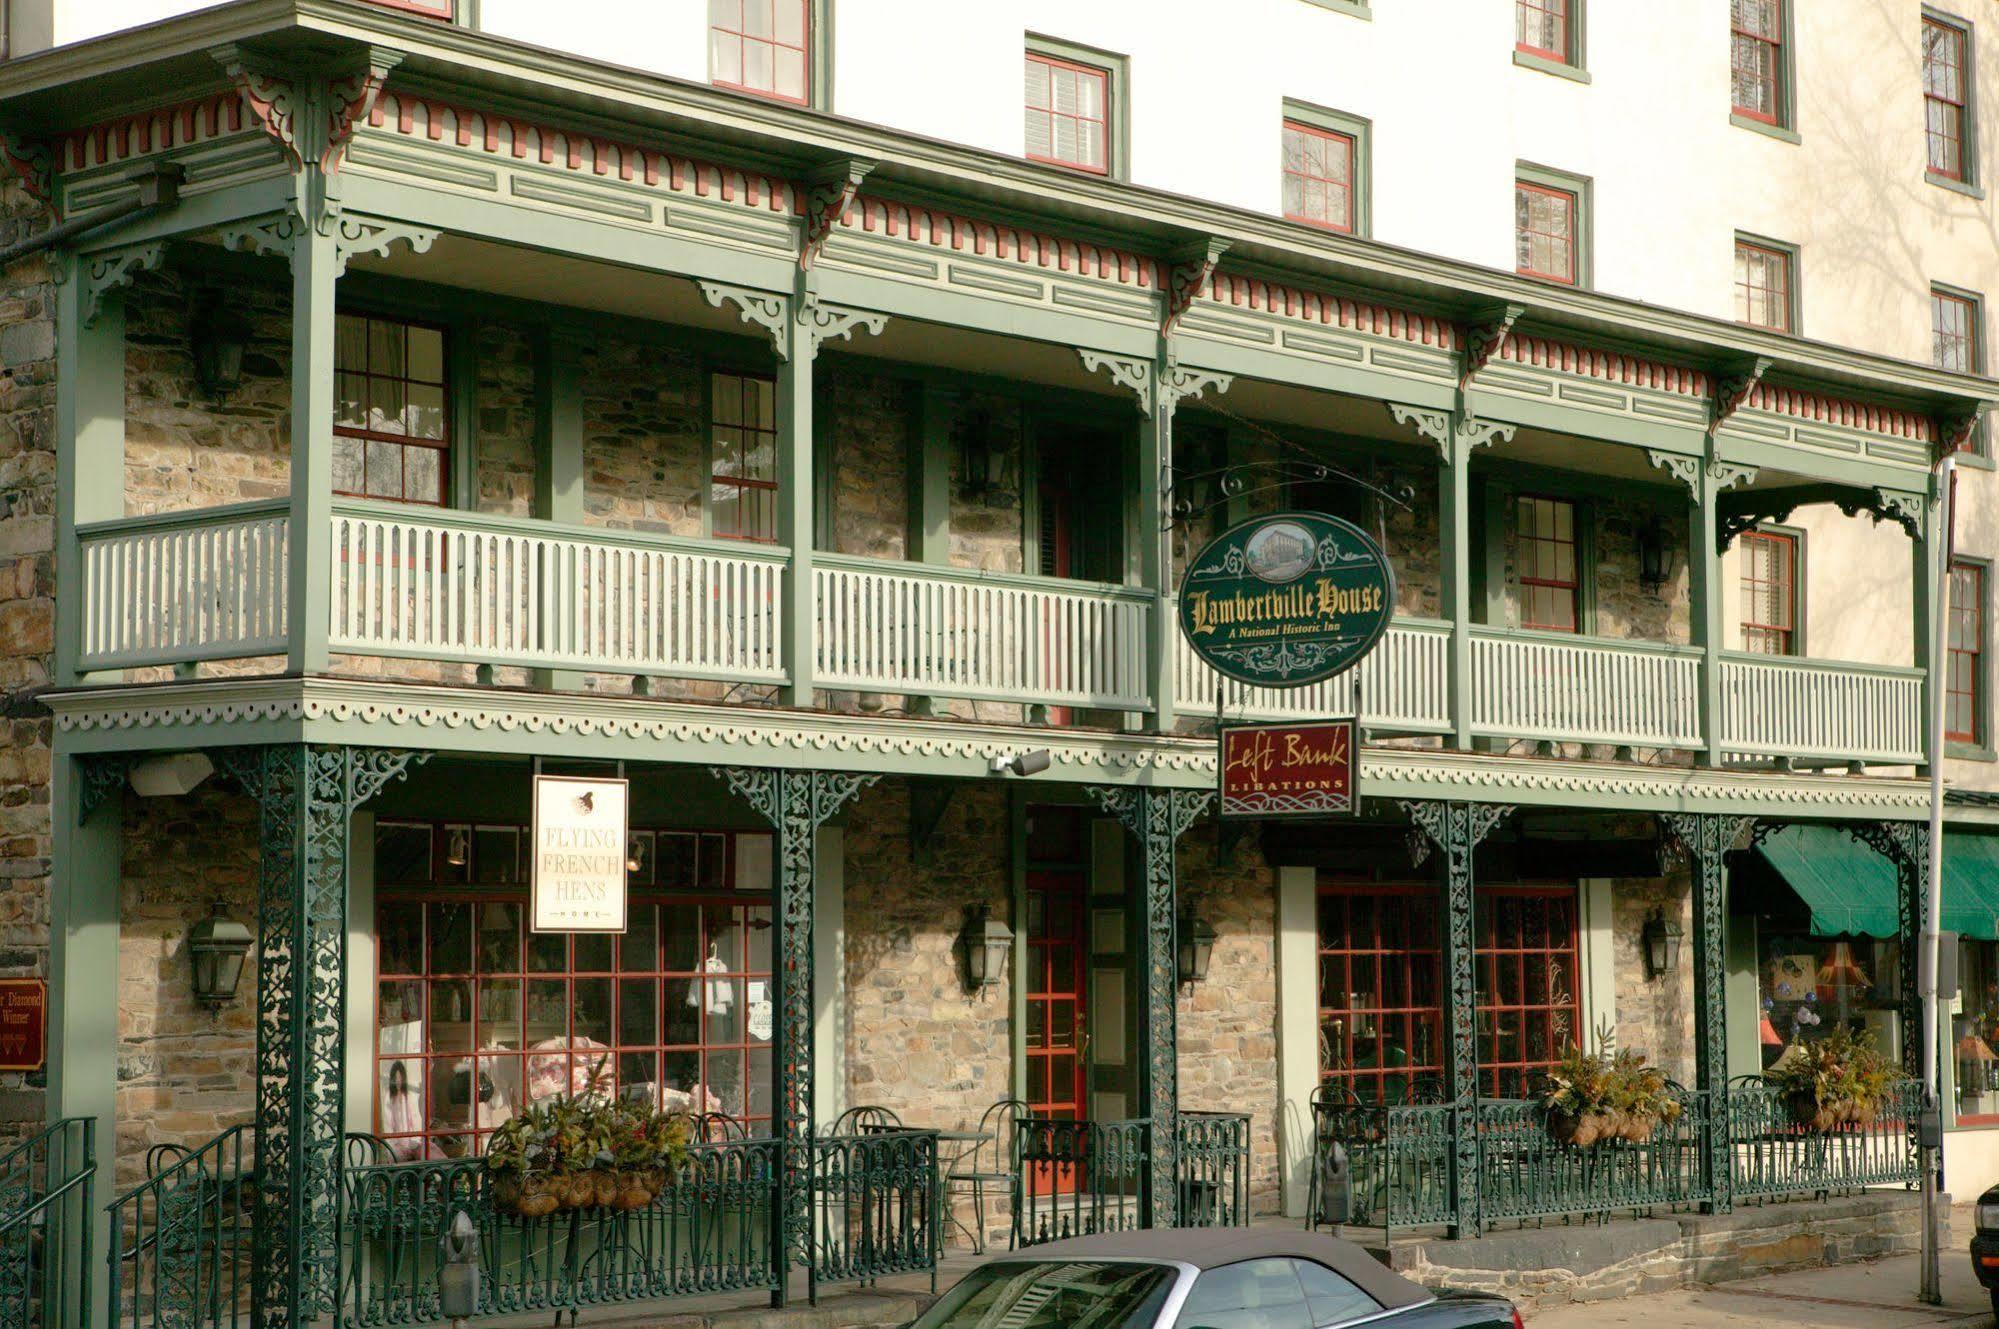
x=1877, y=1295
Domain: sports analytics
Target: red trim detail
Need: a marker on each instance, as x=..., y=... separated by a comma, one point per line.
x=1609, y=366
x=1336, y=311
x=158, y=130
x=920, y=225
x=1840, y=411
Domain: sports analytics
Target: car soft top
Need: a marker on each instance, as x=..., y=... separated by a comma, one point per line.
x=1207, y=1248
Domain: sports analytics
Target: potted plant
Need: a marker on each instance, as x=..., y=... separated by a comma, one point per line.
x=520, y=1169
x=1831, y=1082
x=583, y=1153
x=1597, y=1097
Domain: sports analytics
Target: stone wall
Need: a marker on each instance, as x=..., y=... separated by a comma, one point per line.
x=185, y=1072
x=868, y=419
x=27, y=617
x=643, y=451
x=1655, y=1016
x=503, y=421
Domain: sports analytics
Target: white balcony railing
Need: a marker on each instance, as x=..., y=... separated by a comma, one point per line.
x=1404, y=685
x=909, y=628
x=1584, y=689
x=463, y=587
x=1772, y=706
x=173, y=589
x=455, y=586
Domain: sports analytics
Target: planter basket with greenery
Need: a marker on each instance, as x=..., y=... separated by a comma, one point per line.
x=1598, y=1097
x=584, y=1153
x=1833, y=1082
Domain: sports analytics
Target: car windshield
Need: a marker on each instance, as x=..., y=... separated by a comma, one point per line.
x=1053, y=1294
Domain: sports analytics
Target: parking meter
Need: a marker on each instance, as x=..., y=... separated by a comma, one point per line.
x=1335, y=1186
x=1929, y=1126
x=458, y=1273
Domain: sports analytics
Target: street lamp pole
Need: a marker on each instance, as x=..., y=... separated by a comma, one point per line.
x=1930, y=1288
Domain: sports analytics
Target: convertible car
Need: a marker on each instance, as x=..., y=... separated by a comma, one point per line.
x=1203, y=1278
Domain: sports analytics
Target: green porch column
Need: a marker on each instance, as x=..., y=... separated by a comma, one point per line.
x=315, y=260
x=1455, y=830
x=88, y=821
x=1454, y=557
x=1906, y=845
x=1930, y=587
x=1708, y=838
x=928, y=461
x=796, y=804
x=558, y=463
x=1155, y=551
x=795, y=527
x=1157, y=818
x=306, y=797
x=90, y=443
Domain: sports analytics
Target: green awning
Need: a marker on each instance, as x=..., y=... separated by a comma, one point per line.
x=1851, y=889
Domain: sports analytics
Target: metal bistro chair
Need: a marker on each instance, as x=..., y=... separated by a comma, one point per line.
x=717, y=1128
x=993, y=1162
x=862, y=1120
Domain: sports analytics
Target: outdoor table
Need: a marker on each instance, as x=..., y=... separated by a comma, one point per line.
x=966, y=1142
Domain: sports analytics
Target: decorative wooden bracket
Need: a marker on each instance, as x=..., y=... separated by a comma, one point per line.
x=271, y=97
x=106, y=270
x=1188, y=276
x=33, y=165
x=355, y=234
x=1181, y=383
x=820, y=322
x=1474, y=433
x=264, y=235
x=1746, y=511
x=1431, y=423
x=1685, y=469
x=1732, y=389
x=765, y=309
x=1127, y=371
x=1469, y=434
x=1956, y=429
x=1485, y=339
x=828, y=195
x=1903, y=508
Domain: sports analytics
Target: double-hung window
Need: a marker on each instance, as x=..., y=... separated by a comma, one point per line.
x=1964, y=676
x=1957, y=339
x=1550, y=229
x=1947, y=100
x=1319, y=176
x=1547, y=574
x=742, y=487
x=1765, y=286
x=761, y=46
x=1541, y=27
x=1769, y=592
x=1069, y=105
x=390, y=436
x=1756, y=60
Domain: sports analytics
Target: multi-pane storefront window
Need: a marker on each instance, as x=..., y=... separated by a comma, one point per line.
x=1974, y=1033
x=478, y=1018
x=389, y=426
x=1381, y=1022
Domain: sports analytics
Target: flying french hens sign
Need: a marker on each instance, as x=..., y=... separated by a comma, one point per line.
x=580, y=833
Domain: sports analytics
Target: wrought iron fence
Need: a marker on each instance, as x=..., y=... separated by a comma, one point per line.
x=1080, y=1177
x=180, y=1240
x=1382, y=1165
x=875, y=1205
x=1212, y=1153
x=708, y=1230
x=1525, y=1172
x=1773, y=1154
x=45, y=1226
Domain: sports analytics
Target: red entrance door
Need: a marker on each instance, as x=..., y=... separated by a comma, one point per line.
x=1057, y=907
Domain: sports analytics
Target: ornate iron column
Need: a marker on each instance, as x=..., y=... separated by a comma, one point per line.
x=1157, y=818
x=1906, y=845
x=796, y=804
x=1456, y=830
x=306, y=795
x=1708, y=838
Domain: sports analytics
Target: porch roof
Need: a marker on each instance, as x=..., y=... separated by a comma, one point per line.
x=1849, y=888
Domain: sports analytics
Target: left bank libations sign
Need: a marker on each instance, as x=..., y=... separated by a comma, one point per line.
x=1289, y=770
x=24, y=1024
x=580, y=834
x=1286, y=600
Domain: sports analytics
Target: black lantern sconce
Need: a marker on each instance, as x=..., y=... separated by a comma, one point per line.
x=1197, y=948
x=984, y=458
x=988, y=946
x=216, y=947
x=217, y=336
x=1661, y=940
x=1655, y=556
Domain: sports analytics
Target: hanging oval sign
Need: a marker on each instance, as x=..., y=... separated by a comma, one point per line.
x=1288, y=599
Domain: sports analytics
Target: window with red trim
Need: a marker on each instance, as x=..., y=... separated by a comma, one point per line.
x=1381, y=1021
x=1318, y=176
x=1549, y=585
x=1964, y=676
x=1762, y=286
x=742, y=490
x=1756, y=59
x=761, y=46
x=427, y=8
x=1541, y=27
x=1769, y=592
x=478, y=1018
x=1544, y=221
x=1946, y=97
x=1068, y=113
x=391, y=435
x=1954, y=332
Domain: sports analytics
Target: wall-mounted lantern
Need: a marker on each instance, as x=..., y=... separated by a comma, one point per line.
x=1197, y=948
x=217, y=337
x=988, y=946
x=216, y=947
x=1655, y=556
x=1661, y=940
x=983, y=457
